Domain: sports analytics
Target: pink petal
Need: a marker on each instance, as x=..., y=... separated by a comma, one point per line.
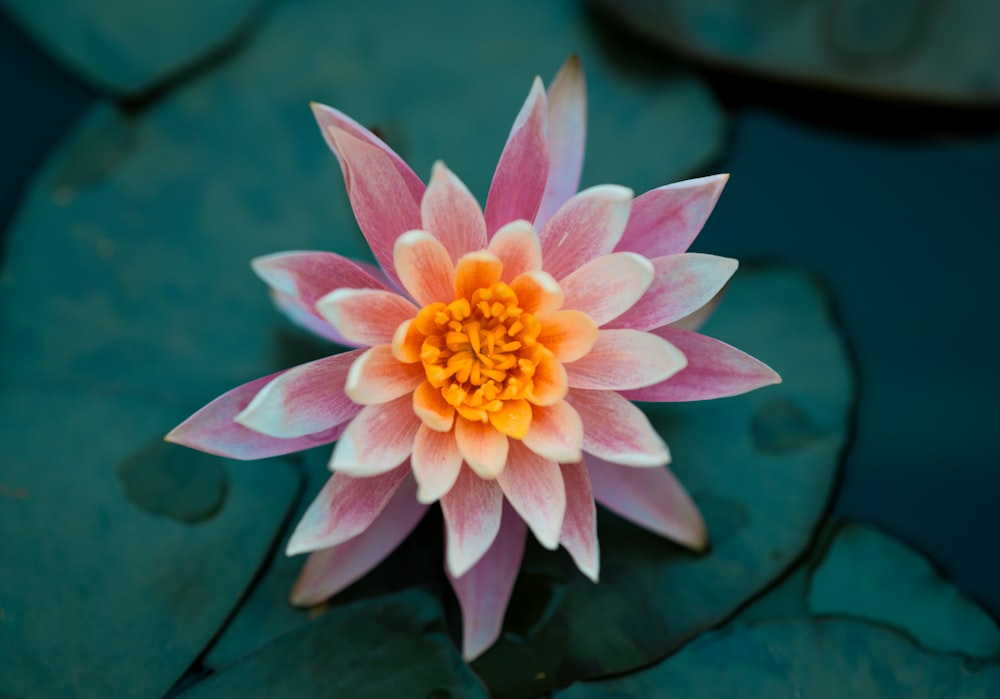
x=472, y=518
x=615, y=430
x=665, y=220
x=214, y=430
x=383, y=204
x=567, y=98
x=304, y=400
x=608, y=286
x=579, y=529
x=377, y=440
x=714, y=370
x=683, y=284
x=345, y=507
x=329, y=571
x=451, y=214
x=516, y=246
x=436, y=462
x=483, y=447
x=484, y=591
x=695, y=320
x=366, y=316
x=587, y=226
x=534, y=487
x=378, y=377
x=624, y=359
x=424, y=267
x=650, y=497
x=519, y=180
x=556, y=432
x=307, y=319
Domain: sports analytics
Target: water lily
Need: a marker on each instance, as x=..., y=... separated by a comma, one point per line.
x=499, y=351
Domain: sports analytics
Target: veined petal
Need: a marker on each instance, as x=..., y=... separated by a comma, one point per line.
x=650, y=497
x=424, y=267
x=569, y=335
x=378, y=377
x=608, y=286
x=436, y=462
x=329, y=571
x=484, y=591
x=516, y=246
x=451, y=214
x=383, y=203
x=714, y=370
x=624, y=359
x=379, y=439
x=683, y=284
x=665, y=220
x=309, y=276
x=366, y=316
x=587, y=226
x=617, y=431
x=213, y=429
x=567, y=96
x=304, y=400
x=519, y=180
x=308, y=319
x=549, y=384
x=556, y=432
x=472, y=519
x=579, y=529
x=537, y=292
x=695, y=320
x=483, y=447
x=431, y=407
x=534, y=487
x=345, y=507
x=477, y=270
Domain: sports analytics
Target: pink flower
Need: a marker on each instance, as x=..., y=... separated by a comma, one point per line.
x=504, y=347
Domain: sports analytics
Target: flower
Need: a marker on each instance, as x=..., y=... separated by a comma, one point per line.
x=500, y=351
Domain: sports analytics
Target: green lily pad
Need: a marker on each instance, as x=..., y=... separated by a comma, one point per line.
x=910, y=49
x=109, y=587
x=811, y=658
x=128, y=47
x=390, y=647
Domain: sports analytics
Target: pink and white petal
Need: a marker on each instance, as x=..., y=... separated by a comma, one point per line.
x=579, y=529
x=304, y=400
x=568, y=334
x=556, y=432
x=567, y=96
x=683, y=284
x=366, y=316
x=695, y=320
x=451, y=214
x=483, y=447
x=379, y=439
x=534, y=487
x=378, y=377
x=523, y=169
x=424, y=267
x=345, y=507
x=587, y=226
x=329, y=571
x=665, y=220
x=383, y=204
x=714, y=370
x=622, y=359
x=213, y=429
x=484, y=592
x=307, y=319
x=608, y=286
x=329, y=118
x=537, y=292
x=436, y=462
x=650, y=497
x=472, y=519
x=617, y=431
x=516, y=246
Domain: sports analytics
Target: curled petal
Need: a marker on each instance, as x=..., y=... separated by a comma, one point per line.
x=665, y=220
x=622, y=359
x=579, y=529
x=516, y=246
x=483, y=447
x=345, y=507
x=379, y=439
x=537, y=292
x=436, y=462
x=608, y=286
x=304, y=400
x=424, y=267
x=617, y=431
x=477, y=270
x=567, y=132
x=378, y=377
x=451, y=214
x=549, y=384
x=329, y=571
x=714, y=370
x=534, y=487
x=556, y=432
x=366, y=316
x=587, y=226
x=569, y=335
x=472, y=519
x=407, y=343
x=431, y=407
x=650, y=497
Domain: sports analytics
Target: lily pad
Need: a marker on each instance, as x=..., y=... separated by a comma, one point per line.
x=108, y=589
